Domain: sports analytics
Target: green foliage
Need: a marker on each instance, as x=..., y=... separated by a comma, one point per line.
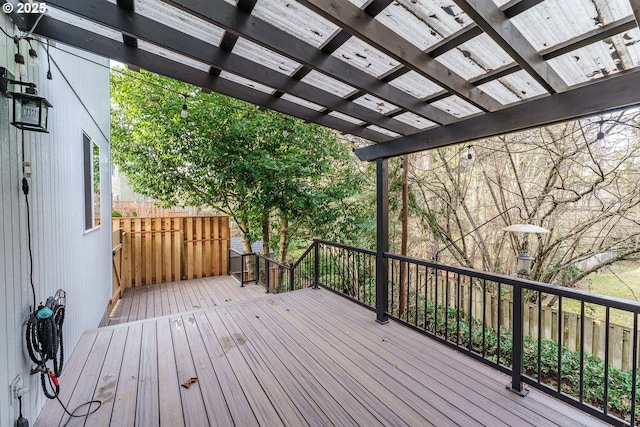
x=116, y=214
x=452, y=324
x=245, y=162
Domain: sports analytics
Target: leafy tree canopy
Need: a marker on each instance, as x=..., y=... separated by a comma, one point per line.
x=254, y=165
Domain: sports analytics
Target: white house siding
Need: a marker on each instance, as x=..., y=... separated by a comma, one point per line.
x=63, y=255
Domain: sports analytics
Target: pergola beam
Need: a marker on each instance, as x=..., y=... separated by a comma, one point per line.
x=354, y=20
x=593, y=36
x=635, y=6
x=228, y=17
x=495, y=23
x=104, y=46
x=159, y=34
x=608, y=94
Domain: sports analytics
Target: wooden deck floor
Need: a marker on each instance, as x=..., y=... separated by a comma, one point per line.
x=146, y=302
x=307, y=357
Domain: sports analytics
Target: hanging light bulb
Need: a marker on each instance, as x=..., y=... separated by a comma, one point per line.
x=600, y=137
x=20, y=68
x=185, y=109
x=33, y=56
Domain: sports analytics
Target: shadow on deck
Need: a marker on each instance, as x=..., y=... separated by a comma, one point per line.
x=307, y=357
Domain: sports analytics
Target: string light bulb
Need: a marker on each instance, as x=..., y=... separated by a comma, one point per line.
x=33, y=56
x=19, y=60
x=600, y=137
x=185, y=109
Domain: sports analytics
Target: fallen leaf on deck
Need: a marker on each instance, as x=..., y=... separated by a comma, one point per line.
x=257, y=317
x=190, y=381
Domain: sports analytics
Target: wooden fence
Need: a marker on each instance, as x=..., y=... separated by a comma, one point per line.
x=160, y=250
x=620, y=348
x=117, y=267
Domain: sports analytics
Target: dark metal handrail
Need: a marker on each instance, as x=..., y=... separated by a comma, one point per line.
x=479, y=313
x=455, y=305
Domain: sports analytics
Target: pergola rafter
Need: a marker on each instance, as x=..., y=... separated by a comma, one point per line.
x=342, y=64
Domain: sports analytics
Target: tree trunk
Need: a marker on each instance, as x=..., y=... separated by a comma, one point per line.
x=246, y=248
x=265, y=234
x=284, y=238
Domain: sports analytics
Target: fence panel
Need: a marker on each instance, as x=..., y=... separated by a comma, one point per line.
x=168, y=249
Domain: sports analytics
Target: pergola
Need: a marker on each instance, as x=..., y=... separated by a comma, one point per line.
x=407, y=75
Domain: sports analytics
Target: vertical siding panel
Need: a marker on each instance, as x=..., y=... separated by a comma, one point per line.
x=63, y=255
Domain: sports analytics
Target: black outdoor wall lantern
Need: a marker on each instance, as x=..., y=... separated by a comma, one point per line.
x=30, y=111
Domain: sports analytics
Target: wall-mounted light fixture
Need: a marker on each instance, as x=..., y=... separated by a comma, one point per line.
x=30, y=111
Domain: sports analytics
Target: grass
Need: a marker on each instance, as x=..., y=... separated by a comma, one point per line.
x=621, y=281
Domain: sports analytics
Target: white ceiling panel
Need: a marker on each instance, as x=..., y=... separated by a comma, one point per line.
x=328, y=84
x=357, y=53
x=296, y=20
x=264, y=56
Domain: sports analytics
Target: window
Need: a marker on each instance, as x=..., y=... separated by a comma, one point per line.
x=91, y=160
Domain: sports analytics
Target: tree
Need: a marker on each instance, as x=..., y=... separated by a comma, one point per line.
x=584, y=189
x=257, y=166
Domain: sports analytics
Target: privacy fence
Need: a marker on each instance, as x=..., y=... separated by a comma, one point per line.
x=165, y=249
x=520, y=327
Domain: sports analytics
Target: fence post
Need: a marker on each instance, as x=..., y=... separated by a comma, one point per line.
x=316, y=264
x=517, y=341
x=292, y=277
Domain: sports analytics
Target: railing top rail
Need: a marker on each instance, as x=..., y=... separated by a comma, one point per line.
x=605, y=300
x=235, y=251
x=304, y=254
x=341, y=246
x=273, y=261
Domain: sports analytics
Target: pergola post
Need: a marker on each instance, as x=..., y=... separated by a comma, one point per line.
x=382, y=245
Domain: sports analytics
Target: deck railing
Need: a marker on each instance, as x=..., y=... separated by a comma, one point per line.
x=544, y=336
x=505, y=322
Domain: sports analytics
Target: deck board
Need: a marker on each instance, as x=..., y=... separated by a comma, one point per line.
x=146, y=302
x=307, y=357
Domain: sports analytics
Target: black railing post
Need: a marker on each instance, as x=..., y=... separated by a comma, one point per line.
x=267, y=274
x=382, y=235
x=243, y=262
x=292, y=277
x=316, y=264
x=516, y=385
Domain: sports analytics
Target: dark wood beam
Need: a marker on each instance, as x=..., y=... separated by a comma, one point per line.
x=348, y=16
x=109, y=48
x=226, y=16
x=635, y=6
x=129, y=5
x=376, y=6
x=246, y=5
x=594, y=36
x=505, y=70
x=472, y=30
x=592, y=98
x=335, y=42
x=516, y=7
x=159, y=34
x=617, y=27
x=373, y=9
x=461, y=36
x=495, y=23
